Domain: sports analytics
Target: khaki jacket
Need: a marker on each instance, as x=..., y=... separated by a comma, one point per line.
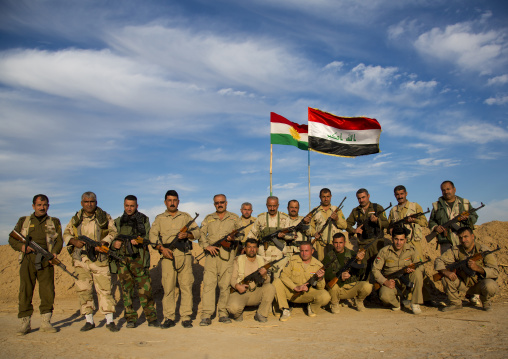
x=458, y=253
x=90, y=228
x=319, y=220
x=260, y=224
x=388, y=262
x=297, y=273
x=243, y=222
x=165, y=227
x=398, y=212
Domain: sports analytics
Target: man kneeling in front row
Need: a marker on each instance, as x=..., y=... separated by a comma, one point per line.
x=250, y=294
x=477, y=277
x=344, y=283
x=293, y=283
x=390, y=261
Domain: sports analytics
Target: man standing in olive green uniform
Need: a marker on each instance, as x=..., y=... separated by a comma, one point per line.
x=389, y=260
x=414, y=227
x=477, y=277
x=135, y=270
x=265, y=224
x=176, y=263
x=369, y=227
x=326, y=210
x=447, y=207
x=219, y=260
x=294, y=279
x=46, y=231
x=94, y=223
x=348, y=286
x=250, y=294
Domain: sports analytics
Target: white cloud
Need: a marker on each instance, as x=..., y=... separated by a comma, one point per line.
x=419, y=85
x=460, y=44
x=498, y=80
x=482, y=133
x=500, y=100
x=434, y=162
x=334, y=65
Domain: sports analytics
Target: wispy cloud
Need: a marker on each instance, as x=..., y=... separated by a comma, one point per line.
x=498, y=100
x=438, y=162
x=498, y=80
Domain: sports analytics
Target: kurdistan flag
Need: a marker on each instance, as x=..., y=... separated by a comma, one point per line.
x=285, y=132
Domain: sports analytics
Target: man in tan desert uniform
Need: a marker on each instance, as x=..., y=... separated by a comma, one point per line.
x=175, y=262
x=219, y=260
x=250, y=294
x=91, y=221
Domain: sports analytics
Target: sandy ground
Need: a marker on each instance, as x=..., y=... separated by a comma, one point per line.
x=375, y=333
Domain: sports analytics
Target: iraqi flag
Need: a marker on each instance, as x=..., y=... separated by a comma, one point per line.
x=342, y=136
x=285, y=132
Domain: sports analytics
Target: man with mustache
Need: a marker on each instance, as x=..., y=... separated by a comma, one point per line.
x=219, y=260
x=176, y=264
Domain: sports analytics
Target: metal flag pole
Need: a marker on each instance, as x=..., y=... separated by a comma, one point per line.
x=308, y=152
x=271, y=160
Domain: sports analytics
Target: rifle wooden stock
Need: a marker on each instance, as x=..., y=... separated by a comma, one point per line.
x=38, y=249
x=452, y=221
x=455, y=266
x=255, y=276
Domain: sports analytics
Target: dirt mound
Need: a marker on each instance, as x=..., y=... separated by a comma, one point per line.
x=491, y=234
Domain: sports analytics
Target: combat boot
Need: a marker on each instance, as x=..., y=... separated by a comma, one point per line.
x=25, y=326
x=46, y=324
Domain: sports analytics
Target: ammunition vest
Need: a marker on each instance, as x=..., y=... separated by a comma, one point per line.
x=51, y=234
x=443, y=213
x=415, y=229
x=101, y=231
x=369, y=231
x=267, y=230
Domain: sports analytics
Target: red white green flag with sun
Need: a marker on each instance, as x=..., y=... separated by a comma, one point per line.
x=285, y=132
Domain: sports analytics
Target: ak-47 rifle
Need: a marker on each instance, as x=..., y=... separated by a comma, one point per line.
x=184, y=243
x=351, y=263
x=312, y=282
x=90, y=245
x=224, y=243
x=405, y=220
x=274, y=236
x=401, y=274
x=462, y=265
x=39, y=250
x=255, y=276
x=366, y=221
x=126, y=239
x=328, y=222
x=452, y=223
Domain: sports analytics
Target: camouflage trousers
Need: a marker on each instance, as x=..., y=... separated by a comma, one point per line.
x=94, y=273
x=133, y=274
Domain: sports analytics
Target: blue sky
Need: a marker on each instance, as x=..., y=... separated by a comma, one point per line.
x=138, y=97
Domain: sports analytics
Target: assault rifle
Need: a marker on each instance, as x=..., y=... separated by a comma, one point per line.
x=462, y=265
x=184, y=243
x=351, y=263
x=90, y=245
x=255, y=276
x=224, y=243
x=365, y=222
x=404, y=220
x=452, y=223
x=312, y=282
x=328, y=221
x=40, y=251
x=126, y=239
x=401, y=274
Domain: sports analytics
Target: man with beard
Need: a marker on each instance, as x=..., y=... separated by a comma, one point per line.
x=134, y=271
x=250, y=294
x=176, y=263
x=326, y=210
x=91, y=221
x=219, y=260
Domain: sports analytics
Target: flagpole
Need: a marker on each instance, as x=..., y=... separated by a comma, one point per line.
x=271, y=160
x=308, y=161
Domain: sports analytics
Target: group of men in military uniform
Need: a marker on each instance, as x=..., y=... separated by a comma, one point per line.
x=276, y=258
